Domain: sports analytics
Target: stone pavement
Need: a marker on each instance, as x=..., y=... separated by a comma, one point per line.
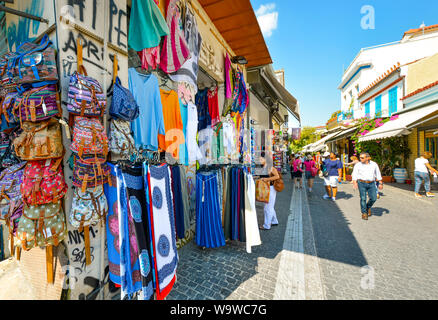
x=399, y=243
x=230, y=272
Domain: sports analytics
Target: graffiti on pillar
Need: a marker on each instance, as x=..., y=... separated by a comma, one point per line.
x=22, y=29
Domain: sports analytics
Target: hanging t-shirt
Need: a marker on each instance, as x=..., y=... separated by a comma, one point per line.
x=175, y=51
x=183, y=153
x=213, y=106
x=150, y=121
x=192, y=130
x=146, y=26
x=189, y=71
x=172, y=122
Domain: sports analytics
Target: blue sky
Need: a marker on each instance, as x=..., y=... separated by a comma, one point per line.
x=315, y=40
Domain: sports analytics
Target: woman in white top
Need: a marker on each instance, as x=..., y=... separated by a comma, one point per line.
x=422, y=168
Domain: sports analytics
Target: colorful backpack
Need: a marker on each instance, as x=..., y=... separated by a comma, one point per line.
x=43, y=182
x=41, y=226
x=8, y=119
x=10, y=181
x=40, y=141
x=9, y=158
x=30, y=63
x=121, y=140
x=87, y=173
x=123, y=105
x=88, y=208
x=37, y=104
x=89, y=137
x=85, y=96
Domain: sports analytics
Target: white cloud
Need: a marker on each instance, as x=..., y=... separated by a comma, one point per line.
x=267, y=18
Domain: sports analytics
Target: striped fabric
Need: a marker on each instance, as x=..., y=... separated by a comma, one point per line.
x=175, y=51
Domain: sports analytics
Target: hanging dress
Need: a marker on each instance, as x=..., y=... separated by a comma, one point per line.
x=146, y=26
x=175, y=51
x=133, y=180
x=163, y=229
x=251, y=225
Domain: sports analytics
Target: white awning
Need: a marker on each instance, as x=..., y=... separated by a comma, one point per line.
x=320, y=144
x=400, y=126
x=343, y=134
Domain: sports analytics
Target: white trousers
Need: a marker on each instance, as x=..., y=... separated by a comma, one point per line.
x=270, y=214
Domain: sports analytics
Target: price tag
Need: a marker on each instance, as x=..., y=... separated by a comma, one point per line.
x=67, y=128
x=44, y=108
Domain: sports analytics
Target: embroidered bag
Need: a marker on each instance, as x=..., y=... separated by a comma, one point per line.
x=262, y=191
x=89, y=173
x=88, y=208
x=37, y=104
x=10, y=181
x=30, y=63
x=85, y=96
x=123, y=105
x=40, y=141
x=9, y=158
x=121, y=140
x=13, y=219
x=43, y=182
x=41, y=226
x=89, y=137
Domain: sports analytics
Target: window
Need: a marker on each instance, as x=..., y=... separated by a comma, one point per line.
x=431, y=144
x=392, y=101
x=367, y=109
x=378, y=102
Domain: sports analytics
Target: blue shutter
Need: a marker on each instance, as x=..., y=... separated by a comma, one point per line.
x=379, y=106
x=367, y=109
x=392, y=101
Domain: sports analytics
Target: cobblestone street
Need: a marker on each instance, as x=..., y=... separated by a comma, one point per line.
x=319, y=250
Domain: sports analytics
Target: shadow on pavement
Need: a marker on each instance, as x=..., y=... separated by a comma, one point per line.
x=376, y=211
x=333, y=237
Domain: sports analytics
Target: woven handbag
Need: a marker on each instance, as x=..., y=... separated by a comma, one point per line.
x=37, y=104
x=89, y=137
x=30, y=63
x=85, y=96
x=43, y=182
x=40, y=141
x=8, y=119
x=41, y=226
x=87, y=173
x=123, y=105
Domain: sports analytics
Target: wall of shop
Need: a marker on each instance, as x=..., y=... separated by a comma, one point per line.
x=422, y=73
x=259, y=112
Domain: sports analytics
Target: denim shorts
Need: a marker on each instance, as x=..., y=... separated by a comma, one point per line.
x=309, y=175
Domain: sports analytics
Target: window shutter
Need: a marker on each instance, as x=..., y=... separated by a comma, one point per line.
x=367, y=109
x=379, y=106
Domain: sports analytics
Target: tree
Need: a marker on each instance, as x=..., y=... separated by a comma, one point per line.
x=308, y=136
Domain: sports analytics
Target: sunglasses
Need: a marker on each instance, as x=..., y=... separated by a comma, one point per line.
x=363, y=157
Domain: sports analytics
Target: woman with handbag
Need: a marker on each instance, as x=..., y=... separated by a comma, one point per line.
x=269, y=210
x=297, y=173
x=311, y=171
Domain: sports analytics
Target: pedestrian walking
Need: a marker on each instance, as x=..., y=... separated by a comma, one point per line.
x=291, y=166
x=421, y=173
x=269, y=209
x=311, y=171
x=334, y=169
x=297, y=175
x=365, y=174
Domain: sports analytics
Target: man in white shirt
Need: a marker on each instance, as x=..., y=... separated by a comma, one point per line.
x=365, y=174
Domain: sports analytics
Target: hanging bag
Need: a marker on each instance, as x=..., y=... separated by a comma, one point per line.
x=30, y=63
x=7, y=118
x=40, y=141
x=43, y=182
x=88, y=208
x=10, y=181
x=121, y=140
x=123, y=105
x=37, y=104
x=90, y=172
x=89, y=137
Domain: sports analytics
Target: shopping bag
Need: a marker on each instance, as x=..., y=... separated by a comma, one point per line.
x=262, y=191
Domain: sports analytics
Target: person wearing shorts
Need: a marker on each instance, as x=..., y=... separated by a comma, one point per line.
x=297, y=173
x=334, y=168
x=308, y=165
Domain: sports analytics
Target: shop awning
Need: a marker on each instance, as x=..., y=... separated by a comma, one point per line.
x=238, y=25
x=320, y=144
x=402, y=125
x=343, y=134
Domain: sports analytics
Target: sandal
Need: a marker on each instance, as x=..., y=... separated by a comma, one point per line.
x=263, y=228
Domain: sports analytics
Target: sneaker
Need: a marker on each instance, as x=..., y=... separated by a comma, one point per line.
x=333, y=199
x=326, y=197
x=430, y=194
x=418, y=196
x=310, y=189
